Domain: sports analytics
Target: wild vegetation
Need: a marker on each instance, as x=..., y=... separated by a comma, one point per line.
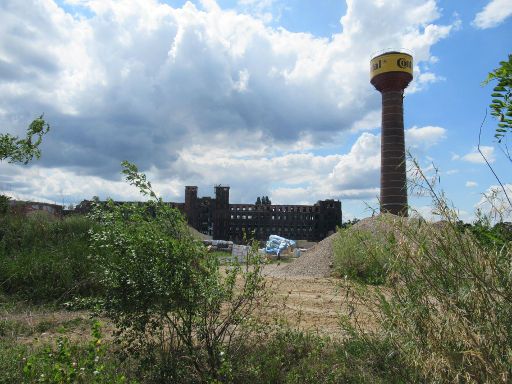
x=44, y=260
x=440, y=296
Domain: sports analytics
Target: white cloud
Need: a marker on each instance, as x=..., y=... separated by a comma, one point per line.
x=495, y=204
x=493, y=14
x=201, y=94
x=424, y=211
x=357, y=174
x=424, y=137
x=292, y=195
x=265, y=10
x=370, y=121
x=471, y=184
x=476, y=158
x=358, y=170
x=60, y=186
x=253, y=168
x=428, y=78
x=431, y=214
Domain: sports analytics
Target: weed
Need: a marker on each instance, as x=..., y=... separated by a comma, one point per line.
x=361, y=255
x=69, y=363
x=447, y=308
x=13, y=328
x=44, y=259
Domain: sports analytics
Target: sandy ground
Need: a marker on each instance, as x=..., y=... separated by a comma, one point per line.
x=305, y=303
x=314, y=303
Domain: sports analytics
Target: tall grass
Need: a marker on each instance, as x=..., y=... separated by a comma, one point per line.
x=361, y=255
x=451, y=304
x=282, y=356
x=446, y=308
x=43, y=259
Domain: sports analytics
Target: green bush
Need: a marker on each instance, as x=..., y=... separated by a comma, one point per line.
x=361, y=255
x=487, y=235
x=43, y=259
x=281, y=356
x=175, y=310
x=11, y=361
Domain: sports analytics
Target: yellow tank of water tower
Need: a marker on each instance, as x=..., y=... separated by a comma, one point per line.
x=391, y=62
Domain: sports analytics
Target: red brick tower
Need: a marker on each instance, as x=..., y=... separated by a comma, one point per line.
x=391, y=73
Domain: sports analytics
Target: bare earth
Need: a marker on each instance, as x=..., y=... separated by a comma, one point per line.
x=306, y=303
x=301, y=294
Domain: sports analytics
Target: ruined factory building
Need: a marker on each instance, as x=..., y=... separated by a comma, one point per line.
x=225, y=221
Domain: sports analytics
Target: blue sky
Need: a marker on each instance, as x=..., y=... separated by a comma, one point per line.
x=271, y=97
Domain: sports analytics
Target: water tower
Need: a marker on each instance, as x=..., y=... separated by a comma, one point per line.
x=391, y=73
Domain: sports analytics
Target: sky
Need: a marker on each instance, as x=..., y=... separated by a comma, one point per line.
x=270, y=97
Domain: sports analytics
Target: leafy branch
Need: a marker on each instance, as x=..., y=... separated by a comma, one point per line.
x=23, y=150
x=501, y=104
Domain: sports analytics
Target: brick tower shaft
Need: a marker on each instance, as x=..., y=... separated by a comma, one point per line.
x=393, y=183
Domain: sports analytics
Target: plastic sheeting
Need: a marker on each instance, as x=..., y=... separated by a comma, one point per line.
x=277, y=244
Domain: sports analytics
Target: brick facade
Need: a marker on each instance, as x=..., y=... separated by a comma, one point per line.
x=225, y=221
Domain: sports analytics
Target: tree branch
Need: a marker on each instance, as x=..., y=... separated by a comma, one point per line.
x=487, y=162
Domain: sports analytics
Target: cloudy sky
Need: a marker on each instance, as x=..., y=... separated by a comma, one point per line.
x=270, y=97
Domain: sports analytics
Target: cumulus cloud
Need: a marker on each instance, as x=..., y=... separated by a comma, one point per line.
x=431, y=214
x=360, y=168
x=251, y=170
x=495, y=203
x=493, y=14
x=471, y=184
x=266, y=10
x=370, y=121
x=161, y=86
x=424, y=137
x=60, y=186
x=357, y=174
x=475, y=156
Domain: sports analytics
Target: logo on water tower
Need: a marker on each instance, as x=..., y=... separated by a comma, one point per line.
x=391, y=62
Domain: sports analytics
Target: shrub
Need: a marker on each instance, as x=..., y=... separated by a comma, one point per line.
x=361, y=255
x=175, y=309
x=451, y=305
x=289, y=356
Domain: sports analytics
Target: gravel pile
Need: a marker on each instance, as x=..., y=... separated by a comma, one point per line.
x=382, y=224
x=316, y=262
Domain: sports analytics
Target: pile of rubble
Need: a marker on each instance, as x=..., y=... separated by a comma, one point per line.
x=315, y=262
x=318, y=261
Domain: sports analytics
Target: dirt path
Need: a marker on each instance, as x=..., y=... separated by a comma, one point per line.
x=302, y=302
x=312, y=304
